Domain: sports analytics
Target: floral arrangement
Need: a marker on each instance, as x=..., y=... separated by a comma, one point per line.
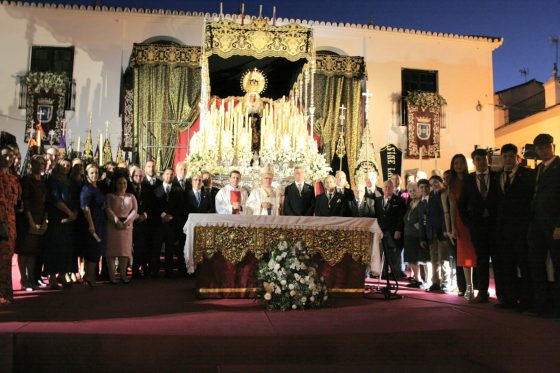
x=267, y=156
x=317, y=167
x=37, y=81
x=290, y=280
x=425, y=99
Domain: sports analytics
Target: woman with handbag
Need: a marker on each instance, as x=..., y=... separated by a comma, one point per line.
x=121, y=211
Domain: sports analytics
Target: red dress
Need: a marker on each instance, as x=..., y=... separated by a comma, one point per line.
x=10, y=191
x=466, y=254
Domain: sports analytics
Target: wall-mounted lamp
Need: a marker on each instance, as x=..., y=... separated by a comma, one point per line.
x=478, y=106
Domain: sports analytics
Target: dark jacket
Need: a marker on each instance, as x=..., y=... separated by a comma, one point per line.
x=365, y=210
x=207, y=202
x=299, y=205
x=172, y=203
x=336, y=207
x=390, y=218
x=473, y=208
x=514, y=205
x=546, y=201
x=432, y=218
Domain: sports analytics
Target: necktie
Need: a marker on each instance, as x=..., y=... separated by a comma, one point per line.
x=385, y=203
x=330, y=196
x=483, y=186
x=300, y=187
x=507, y=182
x=197, y=194
x=182, y=182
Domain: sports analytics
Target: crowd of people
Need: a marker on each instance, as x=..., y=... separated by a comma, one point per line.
x=71, y=222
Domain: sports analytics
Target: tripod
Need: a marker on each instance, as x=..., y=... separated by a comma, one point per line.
x=389, y=291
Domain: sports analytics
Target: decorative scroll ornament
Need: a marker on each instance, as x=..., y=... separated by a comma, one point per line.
x=332, y=65
x=143, y=54
x=258, y=39
x=235, y=242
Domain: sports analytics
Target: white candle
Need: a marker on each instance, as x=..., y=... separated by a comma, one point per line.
x=79, y=144
x=100, y=149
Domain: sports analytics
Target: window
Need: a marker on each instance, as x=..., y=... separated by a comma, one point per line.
x=56, y=60
x=416, y=80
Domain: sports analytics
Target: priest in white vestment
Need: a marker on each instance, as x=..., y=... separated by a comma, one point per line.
x=264, y=200
x=231, y=199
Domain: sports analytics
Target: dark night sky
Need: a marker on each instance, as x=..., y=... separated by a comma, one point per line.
x=526, y=25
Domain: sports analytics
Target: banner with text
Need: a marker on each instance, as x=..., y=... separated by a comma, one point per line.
x=391, y=161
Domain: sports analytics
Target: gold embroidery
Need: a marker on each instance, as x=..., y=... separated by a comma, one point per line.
x=258, y=39
x=235, y=242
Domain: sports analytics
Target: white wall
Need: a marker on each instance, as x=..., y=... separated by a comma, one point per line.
x=104, y=39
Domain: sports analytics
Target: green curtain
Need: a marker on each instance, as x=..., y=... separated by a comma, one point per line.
x=331, y=92
x=163, y=92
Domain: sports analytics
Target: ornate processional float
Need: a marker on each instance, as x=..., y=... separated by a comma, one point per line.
x=269, y=126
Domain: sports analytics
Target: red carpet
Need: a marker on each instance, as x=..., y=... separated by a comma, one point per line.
x=159, y=326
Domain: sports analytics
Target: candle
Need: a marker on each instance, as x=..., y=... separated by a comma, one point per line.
x=100, y=146
x=79, y=145
x=274, y=15
x=39, y=134
x=107, y=128
x=221, y=8
x=260, y=11
x=90, y=119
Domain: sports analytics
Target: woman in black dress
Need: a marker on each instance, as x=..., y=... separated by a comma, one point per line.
x=92, y=202
x=62, y=213
x=34, y=223
x=414, y=255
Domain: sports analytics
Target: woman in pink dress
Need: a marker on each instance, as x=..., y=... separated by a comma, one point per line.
x=121, y=212
x=466, y=255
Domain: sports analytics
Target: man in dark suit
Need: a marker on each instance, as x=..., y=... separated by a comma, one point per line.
x=477, y=207
x=299, y=197
x=150, y=176
x=209, y=188
x=150, y=182
x=432, y=232
x=544, y=229
x=331, y=202
x=360, y=206
x=341, y=183
x=200, y=200
x=390, y=213
x=180, y=180
x=170, y=208
x=372, y=190
x=141, y=232
x=516, y=188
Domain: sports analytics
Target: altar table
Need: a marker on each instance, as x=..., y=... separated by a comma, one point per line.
x=225, y=250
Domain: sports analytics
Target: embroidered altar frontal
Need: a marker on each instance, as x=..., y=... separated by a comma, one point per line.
x=226, y=250
x=235, y=242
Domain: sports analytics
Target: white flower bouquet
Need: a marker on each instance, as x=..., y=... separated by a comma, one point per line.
x=290, y=279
